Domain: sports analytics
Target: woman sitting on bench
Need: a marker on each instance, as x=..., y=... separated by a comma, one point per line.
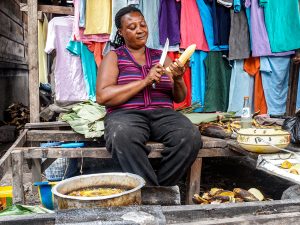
x=137, y=112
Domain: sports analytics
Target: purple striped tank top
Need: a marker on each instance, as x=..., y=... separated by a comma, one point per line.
x=130, y=70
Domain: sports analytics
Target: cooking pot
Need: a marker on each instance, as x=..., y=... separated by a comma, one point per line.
x=131, y=182
x=263, y=140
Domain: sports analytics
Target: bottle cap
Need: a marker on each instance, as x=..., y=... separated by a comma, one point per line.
x=246, y=97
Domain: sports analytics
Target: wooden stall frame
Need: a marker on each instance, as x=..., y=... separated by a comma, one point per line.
x=212, y=147
x=18, y=153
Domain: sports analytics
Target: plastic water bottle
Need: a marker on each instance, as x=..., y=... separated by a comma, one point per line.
x=246, y=120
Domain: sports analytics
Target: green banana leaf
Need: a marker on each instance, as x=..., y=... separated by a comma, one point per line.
x=15, y=210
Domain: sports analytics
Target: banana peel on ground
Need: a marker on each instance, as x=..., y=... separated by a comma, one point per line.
x=219, y=195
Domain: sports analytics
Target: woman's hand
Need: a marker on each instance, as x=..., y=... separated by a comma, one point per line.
x=154, y=74
x=177, y=69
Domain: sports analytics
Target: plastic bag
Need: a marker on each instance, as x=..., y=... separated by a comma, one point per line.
x=292, y=125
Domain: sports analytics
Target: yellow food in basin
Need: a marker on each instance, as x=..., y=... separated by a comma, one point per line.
x=94, y=192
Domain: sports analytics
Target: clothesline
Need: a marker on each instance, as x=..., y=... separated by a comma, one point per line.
x=221, y=71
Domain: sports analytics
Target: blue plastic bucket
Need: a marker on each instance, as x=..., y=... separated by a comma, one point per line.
x=45, y=193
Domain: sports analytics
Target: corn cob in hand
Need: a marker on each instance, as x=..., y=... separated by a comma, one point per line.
x=185, y=55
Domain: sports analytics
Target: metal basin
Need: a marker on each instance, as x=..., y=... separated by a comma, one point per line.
x=131, y=182
x=263, y=140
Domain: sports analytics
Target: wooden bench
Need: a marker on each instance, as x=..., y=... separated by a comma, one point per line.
x=26, y=147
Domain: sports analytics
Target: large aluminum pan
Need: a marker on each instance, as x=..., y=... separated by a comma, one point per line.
x=131, y=182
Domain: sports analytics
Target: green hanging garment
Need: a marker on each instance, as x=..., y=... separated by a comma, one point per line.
x=282, y=19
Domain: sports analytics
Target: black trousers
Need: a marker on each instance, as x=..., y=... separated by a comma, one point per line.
x=126, y=134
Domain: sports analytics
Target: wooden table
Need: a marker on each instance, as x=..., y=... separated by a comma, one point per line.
x=26, y=147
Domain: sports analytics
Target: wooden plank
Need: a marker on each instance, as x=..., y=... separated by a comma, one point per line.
x=10, y=65
x=5, y=161
x=10, y=50
x=12, y=10
x=217, y=152
x=209, y=142
x=36, y=171
x=50, y=9
x=101, y=152
x=34, y=152
x=34, y=219
x=33, y=61
x=292, y=89
x=10, y=29
x=69, y=135
x=161, y=195
x=55, y=135
x=274, y=219
x=194, y=213
x=17, y=175
x=193, y=181
x=45, y=125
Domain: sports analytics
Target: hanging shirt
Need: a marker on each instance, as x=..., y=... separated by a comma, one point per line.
x=82, y=13
x=260, y=44
x=69, y=82
x=150, y=10
x=237, y=5
x=96, y=48
x=187, y=81
x=283, y=24
x=129, y=71
x=116, y=6
x=207, y=21
x=241, y=84
x=239, y=39
x=218, y=74
x=221, y=23
x=248, y=15
x=251, y=66
x=98, y=17
x=78, y=32
x=88, y=66
x=198, y=78
x=169, y=22
x=191, y=28
x=42, y=37
x=275, y=77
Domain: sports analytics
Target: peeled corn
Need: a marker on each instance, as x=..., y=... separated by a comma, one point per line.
x=186, y=55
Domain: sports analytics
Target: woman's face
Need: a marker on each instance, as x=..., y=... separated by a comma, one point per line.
x=134, y=30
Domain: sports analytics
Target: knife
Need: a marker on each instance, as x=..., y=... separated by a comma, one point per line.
x=163, y=57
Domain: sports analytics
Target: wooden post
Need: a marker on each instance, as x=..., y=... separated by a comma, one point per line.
x=33, y=60
x=5, y=161
x=193, y=182
x=36, y=171
x=17, y=175
x=292, y=89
